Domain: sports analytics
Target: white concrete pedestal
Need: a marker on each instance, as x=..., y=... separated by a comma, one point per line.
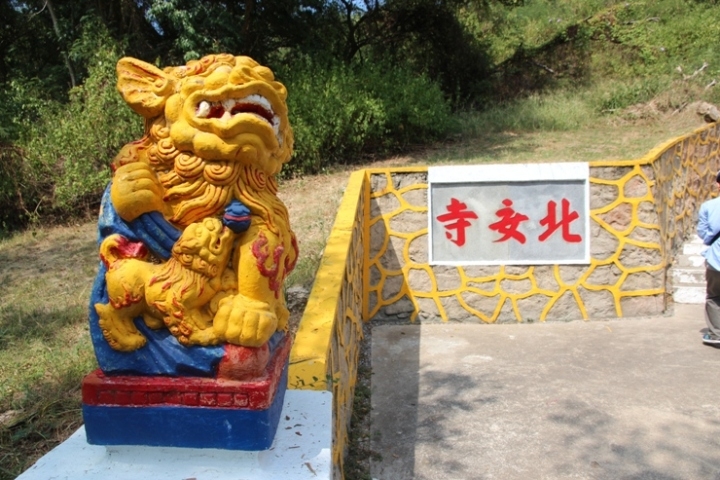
x=302, y=450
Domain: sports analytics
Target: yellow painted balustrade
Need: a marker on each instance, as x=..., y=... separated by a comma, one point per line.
x=327, y=343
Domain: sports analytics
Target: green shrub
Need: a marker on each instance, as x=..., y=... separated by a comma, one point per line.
x=415, y=110
x=331, y=117
x=68, y=149
x=22, y=101
x=612, y=96
x=12, y=200
x=340, y=112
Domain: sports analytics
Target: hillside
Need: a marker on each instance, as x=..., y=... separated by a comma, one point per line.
x=616, y=54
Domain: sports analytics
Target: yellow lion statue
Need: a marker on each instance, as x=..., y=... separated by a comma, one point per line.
x=181, y=294
x=216, y=130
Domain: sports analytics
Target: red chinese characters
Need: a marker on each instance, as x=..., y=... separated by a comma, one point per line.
x=459, y=215
x=509, y=222
x=566, y=218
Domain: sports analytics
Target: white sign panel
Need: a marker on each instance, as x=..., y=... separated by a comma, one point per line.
x=520, y=214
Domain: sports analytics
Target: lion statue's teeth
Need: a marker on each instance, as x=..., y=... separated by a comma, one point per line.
x=260, y=100
x=203, y=109
x=228, y=104
x=276, y=129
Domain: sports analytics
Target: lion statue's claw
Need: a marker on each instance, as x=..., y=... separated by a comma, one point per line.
x=243, y=321
x=120, y=334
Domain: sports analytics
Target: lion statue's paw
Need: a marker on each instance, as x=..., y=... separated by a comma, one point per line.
x=136, y=190
x=203, y=336
x=120, y=333
x=241, y=320
x=283, y=315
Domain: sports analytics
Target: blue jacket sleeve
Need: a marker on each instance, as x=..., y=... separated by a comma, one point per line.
x=703, y=227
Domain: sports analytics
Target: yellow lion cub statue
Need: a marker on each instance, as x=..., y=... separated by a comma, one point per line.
x=181, y=294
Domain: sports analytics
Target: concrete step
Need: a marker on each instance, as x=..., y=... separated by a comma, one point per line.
x=688, y=273
x=690, y=261
x=689, y=276
x=691, y=294
x=694, y=248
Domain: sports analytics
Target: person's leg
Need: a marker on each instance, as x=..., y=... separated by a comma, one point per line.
x=712, y=302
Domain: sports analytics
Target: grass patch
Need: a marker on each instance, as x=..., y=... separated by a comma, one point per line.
x=45, y=349
x=360, y=453
x=556, y=111
x=357, y=462
x=538, y=133
x=307, y=265
x=312, y=203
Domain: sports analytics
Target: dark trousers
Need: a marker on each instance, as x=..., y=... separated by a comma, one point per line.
x=712, y=302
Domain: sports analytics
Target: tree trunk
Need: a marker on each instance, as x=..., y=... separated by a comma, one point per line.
x=57, y=33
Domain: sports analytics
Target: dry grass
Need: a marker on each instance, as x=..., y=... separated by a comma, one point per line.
x=45, y=280
x=312, y=202
x=619, y=137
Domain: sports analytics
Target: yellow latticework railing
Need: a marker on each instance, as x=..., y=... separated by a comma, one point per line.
x=641, y=210
x=685, y=172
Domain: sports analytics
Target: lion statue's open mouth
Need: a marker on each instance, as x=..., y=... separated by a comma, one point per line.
x=219, y=108
x=225, y=110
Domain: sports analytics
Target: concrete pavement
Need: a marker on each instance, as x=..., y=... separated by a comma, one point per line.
x=622, y=399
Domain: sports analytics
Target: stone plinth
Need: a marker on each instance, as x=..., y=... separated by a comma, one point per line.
x=301, y=450
x=187, y=411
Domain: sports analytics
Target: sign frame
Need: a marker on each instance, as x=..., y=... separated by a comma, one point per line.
x=520, y=173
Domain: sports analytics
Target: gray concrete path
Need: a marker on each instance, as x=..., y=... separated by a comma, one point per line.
x=623, y=399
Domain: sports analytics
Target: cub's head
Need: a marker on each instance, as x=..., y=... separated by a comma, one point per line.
x=220, y=107
x=204, y=247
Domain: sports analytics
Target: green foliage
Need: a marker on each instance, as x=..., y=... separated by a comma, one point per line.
x=613, y=96
x=669, y=34
x=11, y=199
x=363, y=77
x=338, y=112
x=430, y=38
x=190, y=42
x=559, y=111
x=192, y=29
x=67, y=147
x=646, y=49
x=620, y=53
x=529, y=25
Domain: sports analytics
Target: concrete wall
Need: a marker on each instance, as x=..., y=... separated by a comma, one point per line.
x=641, y=211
